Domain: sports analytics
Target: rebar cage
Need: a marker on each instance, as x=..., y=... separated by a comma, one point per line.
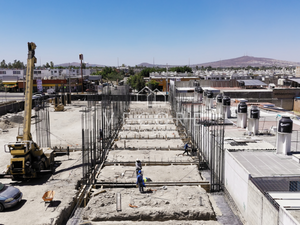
x=101, y=122
x=42, y=123
x=204, y=130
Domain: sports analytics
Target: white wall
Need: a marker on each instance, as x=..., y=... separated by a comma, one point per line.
x=285, y=218
x=260, y=209
x=236, y=182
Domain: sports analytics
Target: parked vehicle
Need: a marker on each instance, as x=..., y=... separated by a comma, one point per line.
x=9, y=196
x=36, y=96
x=51, y=91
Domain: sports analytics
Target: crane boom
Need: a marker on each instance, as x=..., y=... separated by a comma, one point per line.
x=28, y=159
x=31, y=60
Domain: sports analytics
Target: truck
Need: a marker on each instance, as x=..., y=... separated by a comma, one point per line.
x=28, y=159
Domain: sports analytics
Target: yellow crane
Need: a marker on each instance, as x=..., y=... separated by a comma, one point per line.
x=28, y=159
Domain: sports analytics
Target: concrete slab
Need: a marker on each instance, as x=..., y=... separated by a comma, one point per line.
x=147, y=155
x=144, y=143
x=149, y=127
x=160, y=134
x=169, y=222
x=156, y=173
x=180, y=203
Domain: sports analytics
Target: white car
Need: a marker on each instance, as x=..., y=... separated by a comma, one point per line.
x=36, y=96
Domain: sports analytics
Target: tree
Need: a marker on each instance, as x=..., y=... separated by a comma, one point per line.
x=47, y=65
x=96, y=73
x=17, y=64
x=131, y=71
x=51, y=64
x=153, y=84
x=136, y=82
x=181, y=69
x=3, y=64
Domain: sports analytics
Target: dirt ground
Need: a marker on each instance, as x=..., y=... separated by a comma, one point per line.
x=170, y=222
x=149, y=143
x=147, y=155
x=169, y=205
x=180, y=203
x=65, y=131
x=156, y=173
x=165, y=205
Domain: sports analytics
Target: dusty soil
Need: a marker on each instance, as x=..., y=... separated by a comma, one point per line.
x=63, y=182
x=165, y=205
x=170, y=222
x=147, y=155
x=179, y=203
x=149, y=143
x=156, y=173
x=65, y=128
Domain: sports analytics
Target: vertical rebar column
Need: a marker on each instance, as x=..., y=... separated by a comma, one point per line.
x=118, y=202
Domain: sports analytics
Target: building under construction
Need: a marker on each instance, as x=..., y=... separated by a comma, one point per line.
x=241, y=155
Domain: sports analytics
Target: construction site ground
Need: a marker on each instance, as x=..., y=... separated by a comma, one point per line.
x=65, y=128
x=158, y=144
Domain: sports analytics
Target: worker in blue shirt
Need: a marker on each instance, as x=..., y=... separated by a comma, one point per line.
x=138, y=166
x=186, y=146
x=140, y=181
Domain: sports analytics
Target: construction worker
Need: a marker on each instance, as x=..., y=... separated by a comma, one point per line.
x=138, y=166
x=140, y=181
x=186, y=146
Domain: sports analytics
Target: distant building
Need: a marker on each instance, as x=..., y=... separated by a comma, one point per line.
x=46, y=73
x=297, y=72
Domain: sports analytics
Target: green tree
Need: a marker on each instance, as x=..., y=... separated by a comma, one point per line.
x=153, y=84
x=47, y=65
x=51, y=65
x=181, y=69
x=17, y=64
x=3, y=64
x=96, y=73
x=131, y=71
x=137, y=82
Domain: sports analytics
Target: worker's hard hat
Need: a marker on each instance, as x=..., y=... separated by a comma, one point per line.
x=140, y=172
x=137, y=160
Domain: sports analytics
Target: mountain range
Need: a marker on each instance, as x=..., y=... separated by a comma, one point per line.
x=243, y=61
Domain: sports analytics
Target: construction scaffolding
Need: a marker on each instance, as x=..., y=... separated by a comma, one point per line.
x=101, y=122
x=42, y=123
x=203, y=129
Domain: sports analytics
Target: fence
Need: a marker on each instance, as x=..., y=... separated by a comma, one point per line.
x=101, y=122
x=204, y=129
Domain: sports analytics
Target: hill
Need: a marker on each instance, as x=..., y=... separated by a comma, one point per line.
x=76, y=64
x=245, y=61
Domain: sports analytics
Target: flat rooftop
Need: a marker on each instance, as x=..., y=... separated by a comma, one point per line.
x=264, y=164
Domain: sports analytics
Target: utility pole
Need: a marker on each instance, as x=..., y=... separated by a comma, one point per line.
x=81, y=58
x=69, y=79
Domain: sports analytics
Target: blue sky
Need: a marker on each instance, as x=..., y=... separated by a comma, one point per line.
x=176, y=32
